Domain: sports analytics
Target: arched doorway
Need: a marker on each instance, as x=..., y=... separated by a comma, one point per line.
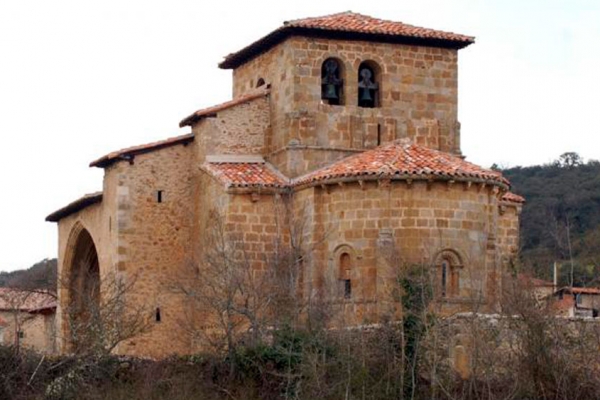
x=82, y=281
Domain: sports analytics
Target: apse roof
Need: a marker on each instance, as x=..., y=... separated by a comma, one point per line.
x=403, y=159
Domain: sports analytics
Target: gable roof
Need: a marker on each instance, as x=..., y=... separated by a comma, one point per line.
x=130, y=152
x=349, y=26
x=403, y=159
x=246, y=174
x=77, y=205
x=213, y=110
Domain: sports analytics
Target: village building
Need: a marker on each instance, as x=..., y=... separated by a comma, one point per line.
x=576, y=302
x=27, y=319
x=350, y=122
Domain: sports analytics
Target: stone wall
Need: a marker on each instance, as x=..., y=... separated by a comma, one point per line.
x=38, y=330
x=154, y=240
x=419, y=221
x=237, y=130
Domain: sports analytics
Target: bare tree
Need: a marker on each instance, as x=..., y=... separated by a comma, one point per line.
x=101, y=315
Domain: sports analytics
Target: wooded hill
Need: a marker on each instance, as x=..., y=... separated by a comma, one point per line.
x=41, y=275
x=561, y=219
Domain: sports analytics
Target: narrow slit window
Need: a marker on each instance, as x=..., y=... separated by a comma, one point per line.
x=160, y=194
x=378, y=134
x=157, y=314
x=444, y=278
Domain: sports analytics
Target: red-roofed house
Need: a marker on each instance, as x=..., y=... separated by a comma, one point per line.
x=577, y=301
x=347, y=123
x=27, y=318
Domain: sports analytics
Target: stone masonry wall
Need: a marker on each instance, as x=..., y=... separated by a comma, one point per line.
x=419, y=221
x=38, y=331
x=154, y=240
x=237, y=130
x=508, y=230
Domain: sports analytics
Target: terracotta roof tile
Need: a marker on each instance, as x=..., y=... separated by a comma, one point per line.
x=77, y=205
x=403, y=160
x=27, y=301
x=211, y=111
x=353, y=22
x=128, y=153
x=579, y=290
x=349, y=25
x=246, y=175
x=513, y=198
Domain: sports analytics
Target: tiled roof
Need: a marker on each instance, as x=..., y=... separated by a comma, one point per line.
x=27, y=301
x=403, y=159
x=246, y=174
x=349, y=26
x=77, y=205
x=513, y=198
x=130, y=152
x=579, y=290
x=212, y=111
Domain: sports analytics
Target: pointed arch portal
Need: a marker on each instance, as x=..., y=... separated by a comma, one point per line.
x=82, y=279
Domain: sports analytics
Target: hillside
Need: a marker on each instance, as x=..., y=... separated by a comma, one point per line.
x=41, y=275
x=561, y=219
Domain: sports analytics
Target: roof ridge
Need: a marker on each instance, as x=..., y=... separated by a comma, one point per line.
x=349, y=25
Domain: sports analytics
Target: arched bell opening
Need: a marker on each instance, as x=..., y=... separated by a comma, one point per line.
x=369, y=87
x=332, y=82
x=83, y=292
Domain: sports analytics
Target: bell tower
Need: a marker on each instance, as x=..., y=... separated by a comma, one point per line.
x=345, y=83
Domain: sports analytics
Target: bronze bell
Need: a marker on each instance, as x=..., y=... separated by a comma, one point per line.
x=330, y=92
x=365, y=95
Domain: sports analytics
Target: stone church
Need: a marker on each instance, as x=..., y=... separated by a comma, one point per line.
x=353, y=119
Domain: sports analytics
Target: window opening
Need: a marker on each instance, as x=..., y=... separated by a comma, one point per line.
x=378, y=134
x=157, y=314
x=331, y=83
x=345, y=273
x=159, y=196
x=347, y=288
x=444, y=277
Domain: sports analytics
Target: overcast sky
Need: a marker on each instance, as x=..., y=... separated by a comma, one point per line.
x=79, y=79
